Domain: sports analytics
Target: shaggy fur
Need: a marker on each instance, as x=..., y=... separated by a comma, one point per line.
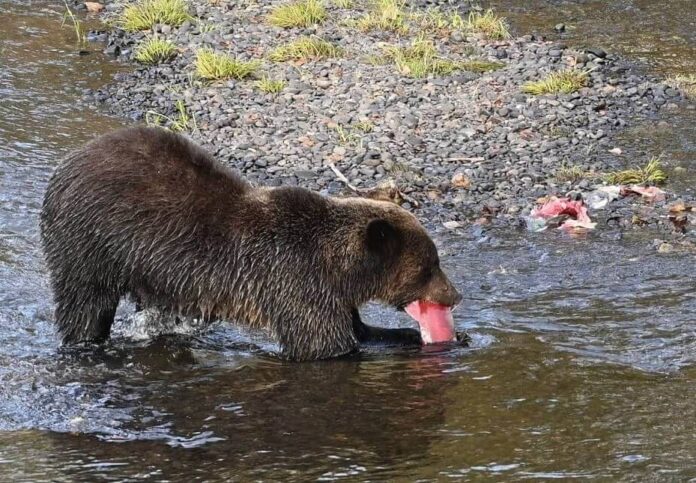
x=146, y=213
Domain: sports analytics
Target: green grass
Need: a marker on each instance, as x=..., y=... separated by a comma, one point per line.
x=686, y=83
x=204, y=27
x=564, y=81
x=479, y=66
x=343, y=3
x=80, y=35
x=183, y=121
x=376, y=59
x=487, y=24
x=420, y=59
x=571, y=174
x=347, y=136
x=652, y=173
x=364, y=126
x=154, y=51
x=385, y=15
x=304, y=13
x=145, y=14
x=271, y=86
x=212, y=65
x=305, y=48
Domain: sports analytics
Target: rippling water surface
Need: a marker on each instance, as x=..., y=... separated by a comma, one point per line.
x=582, y=364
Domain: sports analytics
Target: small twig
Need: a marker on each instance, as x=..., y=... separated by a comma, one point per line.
x=342, y=178
x=473, y=160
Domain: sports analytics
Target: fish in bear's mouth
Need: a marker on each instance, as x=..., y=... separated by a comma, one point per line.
x=435, y=321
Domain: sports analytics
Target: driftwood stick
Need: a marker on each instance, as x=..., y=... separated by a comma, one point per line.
x=342, y=178
x=388, y=191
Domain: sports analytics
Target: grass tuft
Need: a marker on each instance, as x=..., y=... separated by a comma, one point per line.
x=80, y=35
x=435, y=20
x=564, y=81
x=204, y=27
x=343, y=3
x=212, y=66
x=686, y=83
x=183, y=121
x=385, y=15
x=304, y=13
x=271, y=86
x=145, y=14
x=420, y=59
x=305, y=48
x=432, y=19
x=652, y=173
x=488, y=24
x=364, y=126
x=479, y=66
x=572, y=174
x=154, y=51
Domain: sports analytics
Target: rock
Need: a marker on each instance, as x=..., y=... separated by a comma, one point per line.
x=559, y=27
x=665, y=247
x=94, y=7
x=453, y=142
x=460, y=180
x=597, y=52
x=113, y=50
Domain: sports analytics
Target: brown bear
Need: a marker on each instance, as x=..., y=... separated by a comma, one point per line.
x=145, y=212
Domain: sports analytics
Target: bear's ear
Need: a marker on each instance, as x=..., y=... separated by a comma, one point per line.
x=383, y=238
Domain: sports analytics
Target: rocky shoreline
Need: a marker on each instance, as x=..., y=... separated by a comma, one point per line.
x=456, y=145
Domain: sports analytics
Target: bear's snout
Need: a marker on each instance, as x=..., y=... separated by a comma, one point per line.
x=440, y=290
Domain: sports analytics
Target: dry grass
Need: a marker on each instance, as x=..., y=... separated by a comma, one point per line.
x=686, y=83
x=487, y=24
x=304, y=13
x=212, y=65
x=305, y=48
x=385, y=15
x=564, y=81
x=78, y=28
x=145, y=14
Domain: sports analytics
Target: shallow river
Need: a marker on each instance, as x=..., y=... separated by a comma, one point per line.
x=582, y=365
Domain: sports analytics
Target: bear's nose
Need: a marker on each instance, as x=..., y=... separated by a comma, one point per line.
x=457, y=297
x=443, y=292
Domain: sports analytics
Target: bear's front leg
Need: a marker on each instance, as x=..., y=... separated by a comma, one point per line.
x=367, y=334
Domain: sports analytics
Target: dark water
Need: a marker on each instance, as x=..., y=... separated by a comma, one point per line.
x=582, y=365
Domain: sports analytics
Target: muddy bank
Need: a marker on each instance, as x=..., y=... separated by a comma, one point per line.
x=455, y=143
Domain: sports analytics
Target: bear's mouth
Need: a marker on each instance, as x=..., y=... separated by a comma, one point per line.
x=435, y=321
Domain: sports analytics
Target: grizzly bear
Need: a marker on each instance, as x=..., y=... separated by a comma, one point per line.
x=145, y=213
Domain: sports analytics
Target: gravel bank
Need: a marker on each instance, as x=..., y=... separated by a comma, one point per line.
x=457, y=144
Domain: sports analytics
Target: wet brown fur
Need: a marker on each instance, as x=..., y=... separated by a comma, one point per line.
x=145, y=212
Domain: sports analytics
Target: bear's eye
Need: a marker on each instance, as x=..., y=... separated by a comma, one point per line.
x=426, y=273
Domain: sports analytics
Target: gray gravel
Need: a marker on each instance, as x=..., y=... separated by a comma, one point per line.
x=507, y=144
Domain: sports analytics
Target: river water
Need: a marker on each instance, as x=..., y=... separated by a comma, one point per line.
x=583, y=357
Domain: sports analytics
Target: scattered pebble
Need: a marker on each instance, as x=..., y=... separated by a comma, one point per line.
x=454, y=144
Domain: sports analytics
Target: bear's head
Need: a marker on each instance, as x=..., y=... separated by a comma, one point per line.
x=403, y=266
